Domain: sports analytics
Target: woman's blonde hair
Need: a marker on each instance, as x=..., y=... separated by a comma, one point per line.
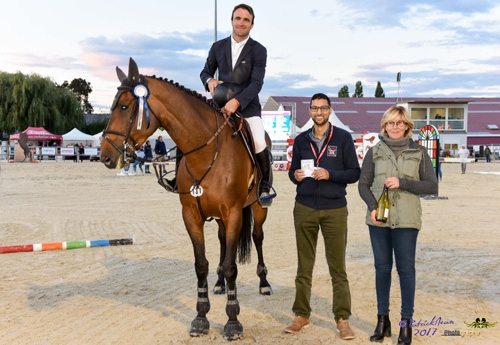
x=392, y=113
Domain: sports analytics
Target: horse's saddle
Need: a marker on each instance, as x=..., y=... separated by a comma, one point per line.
x=222, y=94
x=241, y=127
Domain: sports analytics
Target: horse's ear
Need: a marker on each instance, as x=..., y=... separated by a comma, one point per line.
x=121, y=76
x=133, y=72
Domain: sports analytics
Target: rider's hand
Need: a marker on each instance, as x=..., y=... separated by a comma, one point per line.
x=212, y=84
x=231, y=106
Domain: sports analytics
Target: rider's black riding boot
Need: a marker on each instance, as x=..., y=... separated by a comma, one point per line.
x=265, y=166
x=173, y=182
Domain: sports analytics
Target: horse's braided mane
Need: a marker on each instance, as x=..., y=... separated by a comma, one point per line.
x=186, y=90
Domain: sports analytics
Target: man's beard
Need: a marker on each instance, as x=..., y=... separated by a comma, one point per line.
x=320, y=123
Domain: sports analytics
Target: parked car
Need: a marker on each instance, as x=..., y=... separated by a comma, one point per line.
x=97, y=157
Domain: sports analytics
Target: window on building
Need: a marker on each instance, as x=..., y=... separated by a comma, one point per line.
x=442, y=117
x=438, y=118
x=456, y=118
x=419, y=117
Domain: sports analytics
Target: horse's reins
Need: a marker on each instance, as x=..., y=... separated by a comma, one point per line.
x=196, y=189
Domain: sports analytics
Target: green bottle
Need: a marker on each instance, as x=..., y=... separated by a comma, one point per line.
x=383, y=206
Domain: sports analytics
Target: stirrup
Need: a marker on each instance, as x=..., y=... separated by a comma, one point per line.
x=266, y=197
x=170, y=185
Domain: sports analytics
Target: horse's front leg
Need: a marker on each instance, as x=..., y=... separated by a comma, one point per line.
x=200, y=325
x=220, y=285
x=260, y=215
x=233, y=329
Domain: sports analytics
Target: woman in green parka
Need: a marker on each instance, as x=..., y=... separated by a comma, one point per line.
x=406, y=169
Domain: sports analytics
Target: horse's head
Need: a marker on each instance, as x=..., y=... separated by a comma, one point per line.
x=130, y=123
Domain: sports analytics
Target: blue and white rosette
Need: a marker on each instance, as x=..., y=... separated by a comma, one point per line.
x=141, y=93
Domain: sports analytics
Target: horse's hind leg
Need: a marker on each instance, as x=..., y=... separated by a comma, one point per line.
x=200, y=325
x=260, y=215
x=220, y=285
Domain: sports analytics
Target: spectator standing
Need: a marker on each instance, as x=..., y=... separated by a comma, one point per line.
x=463, y=154
x=440, y=172
x=81, y=151
x=148, y=153
x=76, y=149
x=487, y=154
x=160, y=149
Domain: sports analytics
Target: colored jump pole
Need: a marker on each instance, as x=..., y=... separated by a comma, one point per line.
x=40, y=247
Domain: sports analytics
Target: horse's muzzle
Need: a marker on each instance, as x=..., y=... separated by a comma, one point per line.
x=107, y=161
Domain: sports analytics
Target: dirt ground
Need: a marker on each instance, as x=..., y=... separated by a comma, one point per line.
x=145, y=293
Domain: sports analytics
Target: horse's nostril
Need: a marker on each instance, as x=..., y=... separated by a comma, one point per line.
x=105, y=159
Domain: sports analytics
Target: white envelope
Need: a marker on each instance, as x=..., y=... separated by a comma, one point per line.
x=308, y=166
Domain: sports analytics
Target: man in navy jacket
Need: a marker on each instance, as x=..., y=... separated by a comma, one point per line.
x=242, y=61
x=324, y=161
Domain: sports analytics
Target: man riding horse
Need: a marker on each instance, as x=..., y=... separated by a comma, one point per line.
x=241, y=64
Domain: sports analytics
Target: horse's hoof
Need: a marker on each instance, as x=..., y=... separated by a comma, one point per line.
x=266, y=290
x=219, y=289
x=233, y=330
x=199, y=327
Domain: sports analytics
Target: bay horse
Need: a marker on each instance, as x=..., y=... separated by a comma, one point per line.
x=216, y=178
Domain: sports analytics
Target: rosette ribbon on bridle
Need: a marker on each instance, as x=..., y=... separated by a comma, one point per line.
x=141, y=94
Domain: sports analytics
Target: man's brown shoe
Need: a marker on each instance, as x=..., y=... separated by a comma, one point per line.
x=345, y=330
x=298, y=323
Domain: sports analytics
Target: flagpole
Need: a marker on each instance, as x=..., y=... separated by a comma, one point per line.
x=216, y=76
x=215, y=22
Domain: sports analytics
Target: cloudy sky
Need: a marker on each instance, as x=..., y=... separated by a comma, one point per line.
x=443, y=48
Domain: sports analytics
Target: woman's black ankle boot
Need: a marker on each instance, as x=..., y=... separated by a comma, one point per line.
x=383, y=328
x=405, y=332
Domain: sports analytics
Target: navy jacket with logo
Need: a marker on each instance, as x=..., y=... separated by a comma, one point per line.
x=339, y=159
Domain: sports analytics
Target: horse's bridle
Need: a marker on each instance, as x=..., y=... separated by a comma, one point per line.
x=128, y=151
x=140, y=91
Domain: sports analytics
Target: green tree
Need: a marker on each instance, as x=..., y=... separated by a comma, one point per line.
x=82, y=89
x=379, y=92
x=359, y=90
x=95, y=127
x=344, y=91
x=31, y=100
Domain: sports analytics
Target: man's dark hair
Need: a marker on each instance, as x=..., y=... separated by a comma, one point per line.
x=321, y=96
x=245, y=7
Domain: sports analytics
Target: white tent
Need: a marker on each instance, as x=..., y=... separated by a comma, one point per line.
x=157, y=133
x=334, y=120
x=76, y=137
x=97, y=139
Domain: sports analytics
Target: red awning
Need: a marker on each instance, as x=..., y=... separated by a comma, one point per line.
x=38, y=133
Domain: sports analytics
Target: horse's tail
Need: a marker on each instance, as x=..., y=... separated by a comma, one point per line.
x=245, y=241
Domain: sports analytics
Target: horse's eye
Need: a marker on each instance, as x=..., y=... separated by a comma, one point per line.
x=123, y=107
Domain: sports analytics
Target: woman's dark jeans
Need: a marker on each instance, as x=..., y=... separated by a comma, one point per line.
x=402, y=242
